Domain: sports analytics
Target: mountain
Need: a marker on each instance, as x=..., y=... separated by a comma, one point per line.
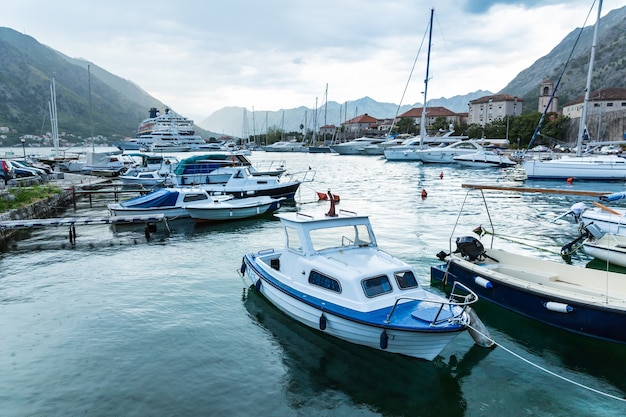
x=239, y=121
x=609, y=66
x=117, y=105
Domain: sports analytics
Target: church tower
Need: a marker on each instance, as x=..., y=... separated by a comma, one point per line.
x=547, y=87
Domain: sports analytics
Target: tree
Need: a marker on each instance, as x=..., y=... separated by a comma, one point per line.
x=406, y=125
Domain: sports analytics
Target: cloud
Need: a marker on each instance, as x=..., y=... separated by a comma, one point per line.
x=198, y=57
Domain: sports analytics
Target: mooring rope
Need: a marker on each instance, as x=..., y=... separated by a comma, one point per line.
x=514, y=240
x=541, y=368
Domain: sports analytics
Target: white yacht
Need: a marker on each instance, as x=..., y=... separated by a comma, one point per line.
x=356, y=146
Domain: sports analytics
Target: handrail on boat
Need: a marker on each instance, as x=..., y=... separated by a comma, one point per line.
x=302, y=176
x=455, y=299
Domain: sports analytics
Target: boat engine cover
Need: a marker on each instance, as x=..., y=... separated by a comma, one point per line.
x=469, y=247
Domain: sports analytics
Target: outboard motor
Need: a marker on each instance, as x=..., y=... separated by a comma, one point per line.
x=470, y=248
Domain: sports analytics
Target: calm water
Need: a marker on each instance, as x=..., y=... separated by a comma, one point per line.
x=118, y=325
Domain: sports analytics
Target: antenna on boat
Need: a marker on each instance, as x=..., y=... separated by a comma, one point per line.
x=331, y=212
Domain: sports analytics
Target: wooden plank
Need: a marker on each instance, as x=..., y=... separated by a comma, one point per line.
x=80, y=221
x=535, y=190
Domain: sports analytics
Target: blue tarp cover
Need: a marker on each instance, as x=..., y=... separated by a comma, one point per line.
x=159, y=198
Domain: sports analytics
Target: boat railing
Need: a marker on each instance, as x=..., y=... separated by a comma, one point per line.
x=301, y=176
x=456, y=299
x=270, y=165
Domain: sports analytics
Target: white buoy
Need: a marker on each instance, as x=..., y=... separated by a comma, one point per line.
x=558, y=307
x=485, y=283
x=478, y=330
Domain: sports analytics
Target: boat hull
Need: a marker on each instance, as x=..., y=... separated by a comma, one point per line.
x=598, y=168
x=402, y=155
x=609, y=248
x=287, y=191
x=583, y=315
x=168, y=212
x=425, y=345
x=232, y=210
x=606, y=221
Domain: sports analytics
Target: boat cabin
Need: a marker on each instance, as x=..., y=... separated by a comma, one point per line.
x=337, y=259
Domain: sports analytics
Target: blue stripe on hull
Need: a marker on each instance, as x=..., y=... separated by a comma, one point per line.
x=374, y=318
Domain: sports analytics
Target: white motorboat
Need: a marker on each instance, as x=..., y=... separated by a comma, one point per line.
x=609, y=219
x=194, y=170
x=144, y=178
x=608, y=247
x=216, y=209
x=406, y=151
x=319, y=280
x=241, y=183
x=356, y=146
x=446, y=154
x=170, y=202
x=107, y=163
x=484, y=159
x=285, y=146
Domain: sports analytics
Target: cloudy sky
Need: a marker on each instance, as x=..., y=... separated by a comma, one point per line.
x=198, y=56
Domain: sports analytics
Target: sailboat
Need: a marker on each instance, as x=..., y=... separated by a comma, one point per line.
x=411, y=149
x=582, y=167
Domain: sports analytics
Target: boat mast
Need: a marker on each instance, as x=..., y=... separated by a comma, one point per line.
x=423, y=121
x=582, y=129
x=53, y=116
x=90, y=108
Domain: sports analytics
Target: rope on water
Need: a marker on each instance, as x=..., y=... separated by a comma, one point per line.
x=554, y=374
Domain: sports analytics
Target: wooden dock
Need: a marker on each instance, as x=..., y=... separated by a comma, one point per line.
x=149, y=220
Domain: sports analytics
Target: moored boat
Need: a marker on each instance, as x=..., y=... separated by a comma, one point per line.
x=484, y=159
x=241, y=183
x=581, y=300
x=144, y=178
x=170, y=202
x=318, y=280
x=216, y=209
x=446, y=154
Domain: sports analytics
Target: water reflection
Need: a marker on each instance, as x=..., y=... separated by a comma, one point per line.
x=385, y=383
x=541, y=343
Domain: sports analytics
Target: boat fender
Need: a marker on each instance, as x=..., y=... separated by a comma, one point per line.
x=485, y=283
x=384, y=340
x=322, y=322
x=558, y=307
x=243, y=267
x=257, y=285
x=478, y=330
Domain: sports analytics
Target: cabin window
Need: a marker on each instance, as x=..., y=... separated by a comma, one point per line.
x=315, y=278
x=376, y=286
x=405, y=280
x=195, y=197
x=293, y=239
x=335, y=237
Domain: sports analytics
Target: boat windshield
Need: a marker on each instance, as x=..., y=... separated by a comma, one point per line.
x=341, y=236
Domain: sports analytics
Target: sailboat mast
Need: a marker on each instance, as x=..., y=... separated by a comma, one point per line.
x=53, y=116
x=90, y=108
x=423, y=121
x=582, y=129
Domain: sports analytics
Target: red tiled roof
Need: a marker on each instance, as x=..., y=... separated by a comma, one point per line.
x=497, y=97
x=601, y=95
x=364, y=118
x=430, y=112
